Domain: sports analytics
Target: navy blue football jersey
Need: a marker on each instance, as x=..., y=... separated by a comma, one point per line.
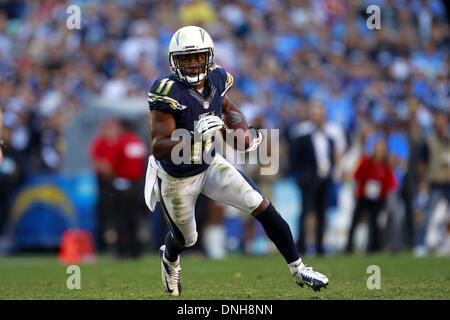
x=187, y=105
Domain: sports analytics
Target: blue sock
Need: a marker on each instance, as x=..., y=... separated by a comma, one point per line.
x=173, y=248
x=279, y=232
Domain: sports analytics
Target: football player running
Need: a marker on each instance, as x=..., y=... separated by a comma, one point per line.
x=193, y=97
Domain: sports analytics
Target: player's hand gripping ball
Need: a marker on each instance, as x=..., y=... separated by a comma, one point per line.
x=238, y=134
x=208, y=125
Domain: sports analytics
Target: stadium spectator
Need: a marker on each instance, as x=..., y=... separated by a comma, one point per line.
x=252, y=231
x=102, y=153
x=197, y=13
x=279, y=52
x=128, y=169
x=414, y=176
x=438, y=175
x=398, y=152
x=2, y=142
x=314, y=163
x=11, y=171
x=375, y=179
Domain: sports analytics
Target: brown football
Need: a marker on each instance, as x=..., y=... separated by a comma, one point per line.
x=236, y=132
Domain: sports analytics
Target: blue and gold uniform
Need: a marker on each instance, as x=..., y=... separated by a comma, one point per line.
x=187, y=105
x=178, y=186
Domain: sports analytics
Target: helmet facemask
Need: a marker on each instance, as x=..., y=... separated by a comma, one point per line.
x=179, y=71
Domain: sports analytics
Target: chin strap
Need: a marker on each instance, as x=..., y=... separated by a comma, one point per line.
x=256, y=140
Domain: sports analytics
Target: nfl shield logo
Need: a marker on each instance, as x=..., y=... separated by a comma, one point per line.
x=206, y=104
x=171, y=189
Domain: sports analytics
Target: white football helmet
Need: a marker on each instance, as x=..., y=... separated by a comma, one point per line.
x=188, y=40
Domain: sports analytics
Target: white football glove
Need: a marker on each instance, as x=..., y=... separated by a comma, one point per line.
x=207, y=125
x=256, y=140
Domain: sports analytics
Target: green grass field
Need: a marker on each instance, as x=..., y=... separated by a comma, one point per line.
x=236, y=277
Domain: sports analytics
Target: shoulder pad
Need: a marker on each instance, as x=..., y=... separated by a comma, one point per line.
x=221, y=78
x=163, y=95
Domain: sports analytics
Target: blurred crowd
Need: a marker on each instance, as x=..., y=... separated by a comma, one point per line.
x=389, y=84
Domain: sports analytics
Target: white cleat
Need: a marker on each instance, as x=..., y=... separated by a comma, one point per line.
x=313, y=279
x=170, y=274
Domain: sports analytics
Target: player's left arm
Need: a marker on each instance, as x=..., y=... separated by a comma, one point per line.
x=228, y=105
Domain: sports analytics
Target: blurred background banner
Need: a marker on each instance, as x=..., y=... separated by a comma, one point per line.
x=47, y=205
x=75, y=121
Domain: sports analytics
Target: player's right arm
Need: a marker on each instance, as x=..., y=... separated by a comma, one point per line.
x=162, y=125
x=163, y=104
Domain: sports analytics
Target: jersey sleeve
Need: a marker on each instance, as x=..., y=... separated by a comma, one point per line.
x=224, y=79
x=162, y=96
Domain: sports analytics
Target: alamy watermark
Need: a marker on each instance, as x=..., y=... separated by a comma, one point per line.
x=74, y=19
x=374, y=281
x=374, y=20
x=195, y=149
x=74, y=280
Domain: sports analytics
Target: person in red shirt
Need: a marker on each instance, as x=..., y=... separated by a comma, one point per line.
x=128, y=169
x=374, y=179
x=129, y=161
x=102, y=153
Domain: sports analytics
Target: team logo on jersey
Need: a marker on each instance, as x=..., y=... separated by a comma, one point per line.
x=206, y=104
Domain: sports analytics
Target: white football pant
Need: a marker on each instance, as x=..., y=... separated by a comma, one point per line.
x=220, y=182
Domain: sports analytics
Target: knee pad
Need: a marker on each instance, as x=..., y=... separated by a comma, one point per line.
x=190, y=240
